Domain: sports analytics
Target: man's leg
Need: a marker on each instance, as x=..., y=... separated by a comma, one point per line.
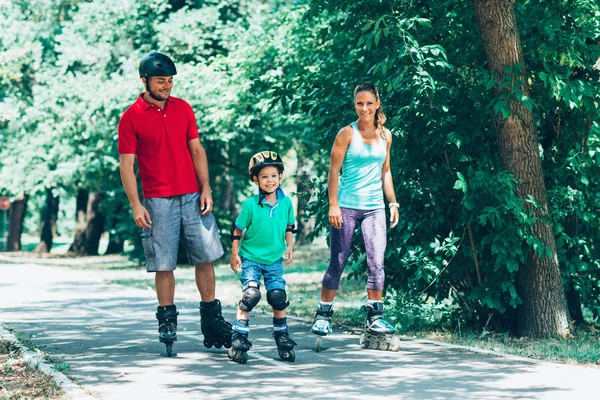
x=165, y=287
x=205, y=281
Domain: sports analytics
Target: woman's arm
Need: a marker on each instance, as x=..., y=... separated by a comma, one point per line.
x=388, y=183
x=338, y=152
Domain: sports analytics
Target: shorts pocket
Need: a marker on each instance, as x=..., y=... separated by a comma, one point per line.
x=147, y=243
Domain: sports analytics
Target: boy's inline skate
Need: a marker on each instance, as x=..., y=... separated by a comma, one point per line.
x=322, y=323
x=285, y=345
x=239, y=342
x=378, y=332
x=216, y=331
x=167, y=326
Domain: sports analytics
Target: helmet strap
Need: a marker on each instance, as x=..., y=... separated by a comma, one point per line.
x=150, y=91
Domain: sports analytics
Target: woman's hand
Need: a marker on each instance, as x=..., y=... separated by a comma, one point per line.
x=335, y=216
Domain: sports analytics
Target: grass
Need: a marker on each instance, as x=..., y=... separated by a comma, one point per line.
x=582, y=348
x=19, y=380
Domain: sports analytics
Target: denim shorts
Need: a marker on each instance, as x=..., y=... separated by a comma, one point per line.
x=175, y=217
x=273, y=274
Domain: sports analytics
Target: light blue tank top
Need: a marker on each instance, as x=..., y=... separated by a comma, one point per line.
x=360, y=182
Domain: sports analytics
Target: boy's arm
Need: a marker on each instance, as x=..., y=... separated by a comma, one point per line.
x=289, y=239
x=235, y=262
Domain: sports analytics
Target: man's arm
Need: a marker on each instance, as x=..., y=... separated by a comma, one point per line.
x=140, y=214
x=201, y=167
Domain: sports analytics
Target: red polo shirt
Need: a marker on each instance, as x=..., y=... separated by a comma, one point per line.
x=159, y=138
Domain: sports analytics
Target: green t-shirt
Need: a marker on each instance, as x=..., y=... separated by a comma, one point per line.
x=265, y=225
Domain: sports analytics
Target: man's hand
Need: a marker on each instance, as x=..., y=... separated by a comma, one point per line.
x=206, y=202
x=235, y=263
x=141, y=216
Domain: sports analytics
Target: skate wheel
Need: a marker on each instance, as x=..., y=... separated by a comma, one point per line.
x=227, y=343
x=208, y=343
x=395, y=343
x=218, y=345
x=169, y=349
x=318, y=343
x=243, y=357
x=364, y=342
x=287, y=355
x=374, y=345
x=384, y=346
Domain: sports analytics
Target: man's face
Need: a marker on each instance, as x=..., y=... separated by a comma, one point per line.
x=160, y=86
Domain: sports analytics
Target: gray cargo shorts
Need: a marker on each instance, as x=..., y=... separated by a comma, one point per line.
x=175, y=217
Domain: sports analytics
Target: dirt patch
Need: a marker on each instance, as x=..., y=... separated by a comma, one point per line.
x=19, y=381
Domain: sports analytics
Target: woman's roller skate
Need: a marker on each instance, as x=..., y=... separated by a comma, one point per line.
x=322, y=323
x=285, y=345
x=216, y=331
x=239, y=342
x=378, y=332
x=167, y=326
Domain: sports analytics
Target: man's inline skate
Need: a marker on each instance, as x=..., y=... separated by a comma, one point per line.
x=239, y=342
x=378, y=332
x=322, y=323
x=285, y=345
x=167, y=326
x=216, y=331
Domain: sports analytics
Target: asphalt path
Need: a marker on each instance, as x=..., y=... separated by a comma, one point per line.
x=106, y=335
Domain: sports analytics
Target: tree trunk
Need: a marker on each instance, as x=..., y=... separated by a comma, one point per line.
x=95, y=224
x=115, y=244
x=303, y=189
x=544, y=310
x=49, y=215
x=80, y=241
x=16, y=216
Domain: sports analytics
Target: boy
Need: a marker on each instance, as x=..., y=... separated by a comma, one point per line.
x=268, y=222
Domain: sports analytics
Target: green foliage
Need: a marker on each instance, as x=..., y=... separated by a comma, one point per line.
x=279, y=75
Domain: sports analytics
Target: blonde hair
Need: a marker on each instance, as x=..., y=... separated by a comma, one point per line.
x=380, y=117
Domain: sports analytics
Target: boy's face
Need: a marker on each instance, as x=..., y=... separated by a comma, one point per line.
x=268, y=179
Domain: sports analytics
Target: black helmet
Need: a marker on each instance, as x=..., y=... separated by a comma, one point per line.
x=156, y=64
x=263, y=159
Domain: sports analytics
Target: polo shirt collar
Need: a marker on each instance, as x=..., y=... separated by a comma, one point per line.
x=144, y=105
x=280, y=196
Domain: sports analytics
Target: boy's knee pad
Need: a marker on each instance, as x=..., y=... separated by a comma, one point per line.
x=277, y=298
x=250, y=297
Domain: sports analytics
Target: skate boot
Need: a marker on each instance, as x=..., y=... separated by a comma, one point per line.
x=167, y=326
x=239, y=342
x=216, y=331
x=285, y=345
x=378, y=333
x=322, y=323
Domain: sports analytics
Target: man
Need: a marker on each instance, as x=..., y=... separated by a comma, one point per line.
x=160, y=131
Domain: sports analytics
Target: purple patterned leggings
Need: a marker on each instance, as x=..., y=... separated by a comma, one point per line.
x=374, y=230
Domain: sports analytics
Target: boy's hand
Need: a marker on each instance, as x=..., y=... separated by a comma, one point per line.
x=235, y=263
x=288, y=255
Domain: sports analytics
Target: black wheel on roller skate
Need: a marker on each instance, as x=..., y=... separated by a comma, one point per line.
x=227, y=343
x=169, y=347
x=238, y=356
x=208, y=343
x=287, y=355
x=218, y=344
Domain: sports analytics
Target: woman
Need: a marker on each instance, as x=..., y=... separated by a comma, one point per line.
x=362, y=152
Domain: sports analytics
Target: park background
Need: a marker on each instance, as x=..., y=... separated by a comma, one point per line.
x=493, y=106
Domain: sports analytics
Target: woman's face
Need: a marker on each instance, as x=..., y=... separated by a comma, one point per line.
x=366, y=105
